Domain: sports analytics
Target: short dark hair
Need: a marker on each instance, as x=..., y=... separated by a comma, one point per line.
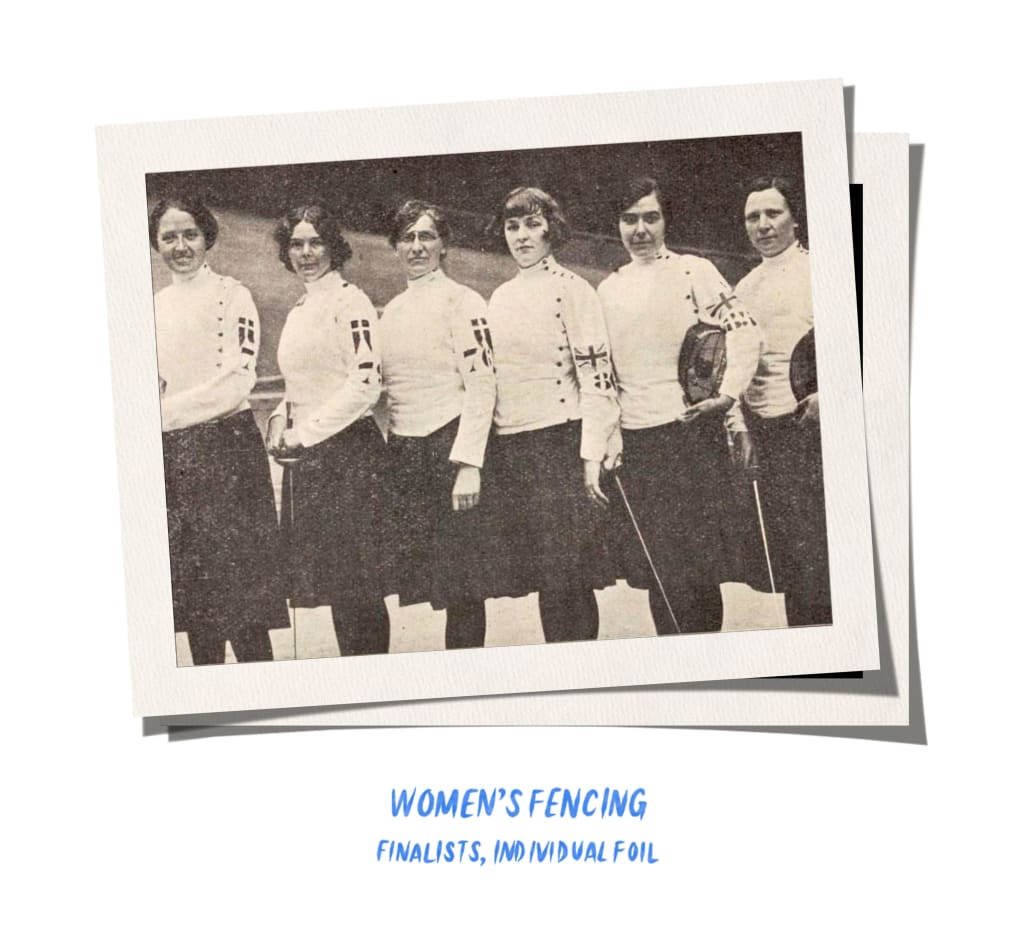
x=636, y=189
x=791, y=193
x=527, y=201
x=327, y=226
x=410, y=212
x=190, y=204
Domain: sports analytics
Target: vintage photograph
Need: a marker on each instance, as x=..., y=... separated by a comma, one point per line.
x=505, y=396
x=883, y=162
x=509, y=397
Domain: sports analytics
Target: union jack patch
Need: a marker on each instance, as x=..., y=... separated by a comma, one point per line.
x=590, y=356
x=726, y=302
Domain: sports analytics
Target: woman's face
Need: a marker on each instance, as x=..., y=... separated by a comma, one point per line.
x=420, y=248
x=642, y=227
x=181, y=243
x=528, y=238
x=309, y=254
x=769, y=222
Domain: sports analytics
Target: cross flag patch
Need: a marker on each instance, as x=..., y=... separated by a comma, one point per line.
x=246, y=335
x=483, y=337
x=360, y=334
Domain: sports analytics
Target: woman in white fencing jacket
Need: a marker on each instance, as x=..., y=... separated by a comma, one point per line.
x=330, y=356
x=675, y=463
x=440, y=387
x=555, y=421
x=223, y=539
x=783, y=428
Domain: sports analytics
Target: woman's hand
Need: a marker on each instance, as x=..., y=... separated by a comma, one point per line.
x=745, y=460
x=720, y=405
x=466, y=488
x=613, y=452
x=808, y=410
x=591, y=480
x=275, y=434
x=290, y=443
x=282, y=441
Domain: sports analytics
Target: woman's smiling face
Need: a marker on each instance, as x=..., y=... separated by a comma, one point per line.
x=181, y=243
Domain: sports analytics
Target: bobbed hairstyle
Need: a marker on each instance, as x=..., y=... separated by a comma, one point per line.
x=410, y=212
x=790, y=191
x=193, y=206
x=327, y=226
x=635, y=190
x=529, y=201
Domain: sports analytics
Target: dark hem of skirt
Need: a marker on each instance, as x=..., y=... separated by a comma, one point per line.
x=676, y=478
x=436, y=555
x=793, y=502
x=543, y=533
x=225, y=554
x=334, y=538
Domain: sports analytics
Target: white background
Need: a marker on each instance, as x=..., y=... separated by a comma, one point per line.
x=107, y=825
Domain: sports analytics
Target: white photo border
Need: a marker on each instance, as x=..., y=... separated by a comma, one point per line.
x=127, y=153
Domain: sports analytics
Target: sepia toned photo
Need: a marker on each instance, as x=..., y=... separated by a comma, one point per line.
x=496, y=396
x=882, y=255
x=508, y=397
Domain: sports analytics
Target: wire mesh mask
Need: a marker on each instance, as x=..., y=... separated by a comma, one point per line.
x=702, y=362
x=803, y=366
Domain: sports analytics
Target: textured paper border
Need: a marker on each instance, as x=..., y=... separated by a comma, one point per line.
x=126, y=153
x=881, y=698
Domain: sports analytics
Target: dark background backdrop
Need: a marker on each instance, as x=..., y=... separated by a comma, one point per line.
x=702, y=178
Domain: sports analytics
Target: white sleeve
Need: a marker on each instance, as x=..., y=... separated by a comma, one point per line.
x=718, y=305
x=359, y=340
x=591, y=354
x=222, y=394
x=472, y=348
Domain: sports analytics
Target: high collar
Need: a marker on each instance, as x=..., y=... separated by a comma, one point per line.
x=323, y=285
x=651, y=259
x=200, y=278
x=428, y=279
x=791, y=253
x=543, y=266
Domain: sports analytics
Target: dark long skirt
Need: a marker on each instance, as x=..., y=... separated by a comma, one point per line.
x=677, y=479
x=436, y=555
x=545, y=535
x=790, y=485
x=223, y=542
x=335, y=537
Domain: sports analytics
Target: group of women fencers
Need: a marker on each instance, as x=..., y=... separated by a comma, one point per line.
x=507, y=423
